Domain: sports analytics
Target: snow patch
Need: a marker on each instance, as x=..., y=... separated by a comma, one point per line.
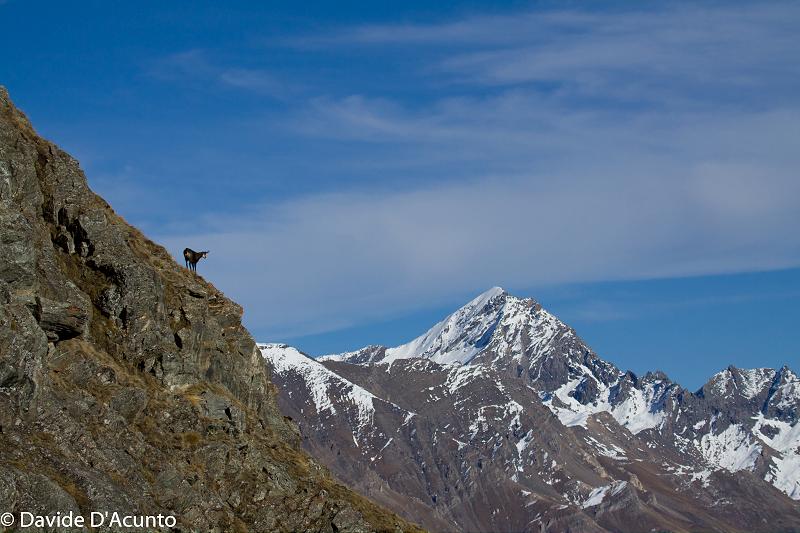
x=325, y=387
x=732, y=450
x=459, y=376
x=597, y=496
x=784, y=472
x=641, y=410
x=755, y=380
x=609, y=450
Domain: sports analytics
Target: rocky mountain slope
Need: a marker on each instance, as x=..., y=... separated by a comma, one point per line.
x=500, y=418
x=128, y=384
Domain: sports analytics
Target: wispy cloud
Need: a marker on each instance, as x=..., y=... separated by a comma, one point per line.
x=197, y=66
x=558, y=147
x=252, y=79
x=334, y=260
x=657, y=53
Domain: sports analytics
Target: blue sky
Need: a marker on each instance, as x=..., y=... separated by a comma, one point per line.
x=361, y=169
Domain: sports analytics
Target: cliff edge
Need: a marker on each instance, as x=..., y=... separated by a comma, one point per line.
x=128, y=384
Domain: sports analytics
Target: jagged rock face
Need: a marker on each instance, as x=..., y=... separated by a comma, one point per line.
x=513, y=334
x=500, y=418
x=128, y=384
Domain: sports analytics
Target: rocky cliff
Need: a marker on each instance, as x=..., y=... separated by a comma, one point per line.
x=128, y=384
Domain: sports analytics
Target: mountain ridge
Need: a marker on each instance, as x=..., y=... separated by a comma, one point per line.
x=503, y=370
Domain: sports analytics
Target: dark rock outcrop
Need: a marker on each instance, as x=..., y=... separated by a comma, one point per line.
x=128, y=384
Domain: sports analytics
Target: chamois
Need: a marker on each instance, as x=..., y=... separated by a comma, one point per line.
x=192, y=258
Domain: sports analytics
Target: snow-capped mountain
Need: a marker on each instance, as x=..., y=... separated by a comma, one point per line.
x=506, y=332
x=456, y=339
x=501, y=418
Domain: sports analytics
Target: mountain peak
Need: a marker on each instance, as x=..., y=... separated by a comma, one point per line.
x=459, y=337
x=491, y=293
x=505, y=332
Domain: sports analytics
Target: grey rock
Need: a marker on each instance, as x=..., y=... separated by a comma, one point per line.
x=62, y=320
x=128, y=384
x=129, y=402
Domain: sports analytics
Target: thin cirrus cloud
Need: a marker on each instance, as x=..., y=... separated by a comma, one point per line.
x=557, y=147
x=195, y=65
x=618, y=55
x=330, y=261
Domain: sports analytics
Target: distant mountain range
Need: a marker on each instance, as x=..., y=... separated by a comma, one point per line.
x=500, y=418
